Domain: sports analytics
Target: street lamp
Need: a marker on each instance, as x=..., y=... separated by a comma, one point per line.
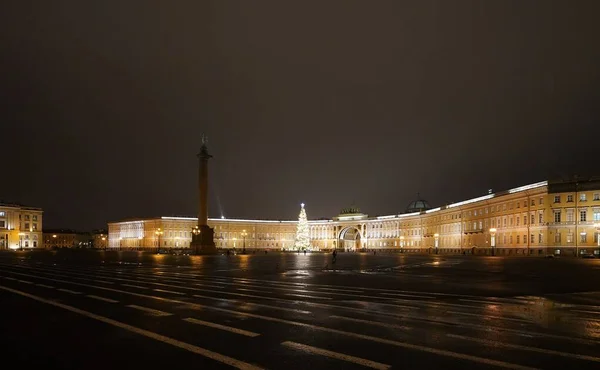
x=493, y=240
x=244, y=234
x=436, y=236
x=103, y=242
x=402, y=242
x=597, y=226
x=21, y=240
x=158, y=233
x=140, y=241
x=234, y=239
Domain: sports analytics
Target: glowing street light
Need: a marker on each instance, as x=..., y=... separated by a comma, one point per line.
x=244, y=234
x=21, y=240
x=158, y=233
x=402, y=241
x=436, y=236
x=493, y=240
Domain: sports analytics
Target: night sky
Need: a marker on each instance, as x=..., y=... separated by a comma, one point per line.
x=102, y=103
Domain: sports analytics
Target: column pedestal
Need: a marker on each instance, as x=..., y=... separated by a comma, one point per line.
x=204, y=243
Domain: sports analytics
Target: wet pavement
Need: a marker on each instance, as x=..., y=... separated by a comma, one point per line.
x=93, y=310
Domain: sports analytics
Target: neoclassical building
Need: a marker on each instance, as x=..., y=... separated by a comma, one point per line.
x=556, y=217
x=20, y=227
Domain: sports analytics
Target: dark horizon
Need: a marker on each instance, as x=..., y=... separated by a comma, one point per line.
x=331, y=104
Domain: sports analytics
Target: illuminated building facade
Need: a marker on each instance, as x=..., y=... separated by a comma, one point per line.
x=542, y=218
x=20, y=227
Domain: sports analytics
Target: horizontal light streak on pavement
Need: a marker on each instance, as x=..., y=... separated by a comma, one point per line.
x=150, y=310
x=584, y=311
x=68, y=291
x=486, y=316
x=375, y=323
x=253, y=290
x=336, y=355
x=409, y=295
x=134, y=286
x=101, y=298
x=482, y=301
x=222, y=327
x=45, y=286
x=25, y=281
x=168, y=291
x=525, y=348
x=146, y=333
x=307, y=296
x=254, y=304
x=342, y=290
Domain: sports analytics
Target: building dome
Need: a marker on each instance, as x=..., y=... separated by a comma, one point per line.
x=418, y=205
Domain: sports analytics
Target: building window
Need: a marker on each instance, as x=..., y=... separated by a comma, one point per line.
x=34, y=227
x=510, y=222
x=597, y=215
x=541, y=220
x=2, y=224
x=570, y=217
x=583, y=237
x=541, y=200
x=540, y=237
x=532, y=219
x=518, y=219
x=557, y=199
x=26, y=217
x=524, y=220
x=583, y=216
x=2, y=214
x=511, y=239
x=582, y=197
x=557, y=238
x=596, y=238
x=34, y=217
x=26, y=225
x=570, y=238
x=596, y=196
x=524, y=238
x=532, y=239
x=504, y=207
x=504, y=222
x=556, y=216
x=532, y=202
x=569, y=198
x=518, y=239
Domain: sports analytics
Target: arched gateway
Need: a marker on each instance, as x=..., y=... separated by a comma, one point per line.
x=349, y=239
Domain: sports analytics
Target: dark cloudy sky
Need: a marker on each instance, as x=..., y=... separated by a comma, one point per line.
x=102, y=103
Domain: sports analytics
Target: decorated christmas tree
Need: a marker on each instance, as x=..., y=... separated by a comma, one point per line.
x=302, y=236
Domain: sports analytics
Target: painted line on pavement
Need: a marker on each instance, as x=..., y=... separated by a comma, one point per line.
x=481, y=301
x=296, y=310
x=486, y=316
x=101, y=298
x=45, y=286
x=409, y=295
x=253, y=290
x=146, y=333
x=68, y=291
x=150, y=310
x=336, y=355
x=376, y=323
x=307, y=296
x=525, y=348
x=10, y=278
x=584, y=311
x=168, y=291
x=25, y=281
x=222, y=327
x=134, y=286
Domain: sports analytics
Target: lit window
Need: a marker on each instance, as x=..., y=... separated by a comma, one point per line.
x=596, y=196
x=596, y=215
x=34, y=217
x=570, y=238
x=583, y=237
x=556, y=216
x=569, y=198
x=557, y=199
x=570, y=217
x=2, y=214
x=541, y=200
x=557, y=238
x=540, y=237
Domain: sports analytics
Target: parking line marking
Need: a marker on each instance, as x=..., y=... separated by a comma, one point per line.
x=253, y=304
x=102, y=298
x=481, y=301
x=68, y=291
x=488, y=316
x=161, y=338
x=525, y=348
x=584, y=311
x=222, y=327
x=386, y=325
x=409, y=295
x=168, y=291
x=45, y=286
x=336, y=355
x=150, y=310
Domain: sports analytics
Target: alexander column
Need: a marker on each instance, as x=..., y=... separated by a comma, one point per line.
x=202, y=235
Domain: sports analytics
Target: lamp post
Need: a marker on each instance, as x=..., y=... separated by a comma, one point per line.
x=597, y=226
x=140, y=241
x=402, y=243
x=244, y=234
x=103, y=242
x=195, y=232
x=158, y=233
x=493, y=240
x=21, y=241
x=436, y=236
x=234, y=240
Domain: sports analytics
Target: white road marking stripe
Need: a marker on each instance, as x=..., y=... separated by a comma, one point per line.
x=342, y=290
x=336, y=355
x=45, y=286
x=168, y=291
x=10, y=278
x=253, y=304
x=134, y=286
x=68, y=291
x=102, y=298
x=253, y=290
x=222, y=327
x=584, y=311
x=307, y=296
x=150, y=310
x=25, y=281
x=482, y=316
x=525, y=348
x=241, y=294
x=386, y=325
x=481, y=301
x=408, y=295
x=161, y=338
